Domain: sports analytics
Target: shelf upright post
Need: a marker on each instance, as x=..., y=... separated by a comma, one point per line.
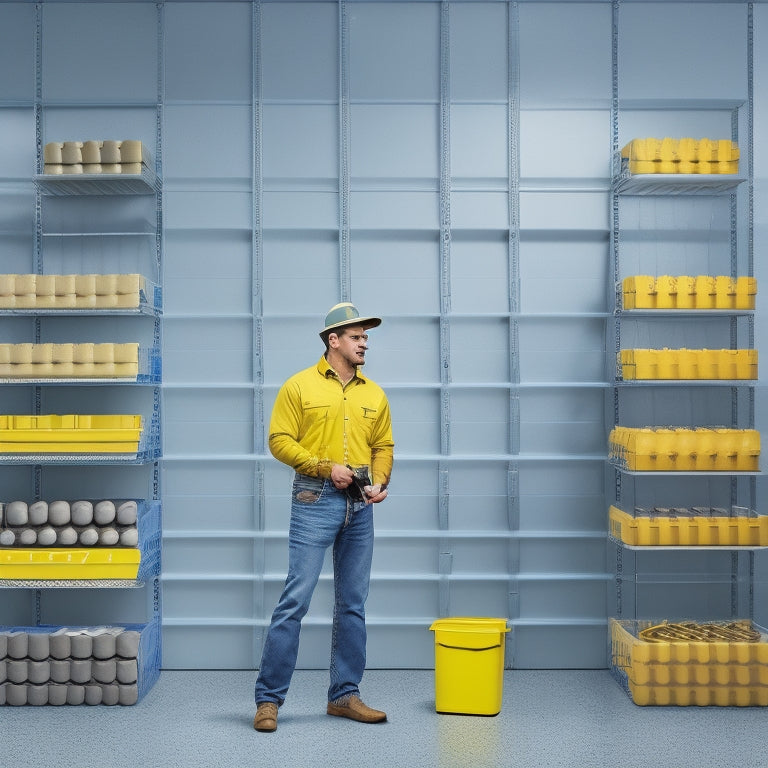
x=257, y=310
x=445, y=554
x=345, y=277
x=513, y=292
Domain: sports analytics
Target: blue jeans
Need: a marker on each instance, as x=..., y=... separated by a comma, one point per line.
x=321, y=516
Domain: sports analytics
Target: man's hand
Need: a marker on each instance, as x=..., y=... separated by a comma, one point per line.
x=375, y=493
x=341, y=476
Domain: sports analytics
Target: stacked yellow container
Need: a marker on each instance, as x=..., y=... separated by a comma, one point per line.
x=78, y=157
x=672, y=449
x=685, y=155
x=32, y=291
x=688, y=292
x=687, y=364
x=688, y=663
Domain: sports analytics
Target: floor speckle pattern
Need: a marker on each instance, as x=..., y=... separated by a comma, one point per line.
x=549, y=719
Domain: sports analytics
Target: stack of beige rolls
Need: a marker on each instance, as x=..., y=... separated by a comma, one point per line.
x=32, y=291
x=127, y=157
x=87, y=360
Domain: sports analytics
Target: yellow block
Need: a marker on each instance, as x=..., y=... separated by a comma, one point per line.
x=469, y=665
x=46, y=564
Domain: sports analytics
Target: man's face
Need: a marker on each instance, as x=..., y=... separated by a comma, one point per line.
x=351, y=343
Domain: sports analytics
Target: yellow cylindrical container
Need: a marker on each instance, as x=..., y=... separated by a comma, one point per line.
x=705, y=292
x=469, y=665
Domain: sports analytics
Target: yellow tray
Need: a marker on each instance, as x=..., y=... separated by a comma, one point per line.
x=671, y=449
x=688, y=364
x=48, y=564
x=688, y=531
x=688, y=292
x=689, y=673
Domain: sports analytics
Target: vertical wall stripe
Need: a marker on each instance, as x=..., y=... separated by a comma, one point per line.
x=345, y=277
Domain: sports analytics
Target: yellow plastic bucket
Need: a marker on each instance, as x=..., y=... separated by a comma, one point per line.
x=469, y=665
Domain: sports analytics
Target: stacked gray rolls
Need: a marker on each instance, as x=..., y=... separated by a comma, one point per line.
x=69, y=666
x=60, y=523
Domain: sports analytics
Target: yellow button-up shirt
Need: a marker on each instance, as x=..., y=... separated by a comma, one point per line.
x=318, y=422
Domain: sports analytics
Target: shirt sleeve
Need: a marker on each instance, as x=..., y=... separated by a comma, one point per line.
x=382, y=447
x=284, y=428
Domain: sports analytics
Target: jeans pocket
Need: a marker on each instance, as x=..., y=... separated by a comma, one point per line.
x=307, y=490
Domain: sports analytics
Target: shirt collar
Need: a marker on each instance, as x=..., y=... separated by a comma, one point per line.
x=326, y=371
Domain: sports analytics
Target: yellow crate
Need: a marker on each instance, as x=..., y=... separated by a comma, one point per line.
x=687, y=364
x=469, y=665
x=690, y=531
x=49, y=564
x=685, y=450
x=690, y=673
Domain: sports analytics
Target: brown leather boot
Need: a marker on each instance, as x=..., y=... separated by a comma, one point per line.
x=354, y=709
x=266, y=716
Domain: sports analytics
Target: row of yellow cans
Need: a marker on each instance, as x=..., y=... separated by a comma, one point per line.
x=23, y=354
x=688, y=531
x=688, y=292
x=686, y=364
x=33, y=291
x=685, y=149
x=682, y=167
x=700, y=674
x=670, y=449
x=698, y=695
x=629, y=651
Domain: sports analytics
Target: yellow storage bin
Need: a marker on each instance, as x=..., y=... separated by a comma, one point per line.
x=47, y=564
x=691, y=663
x=688, y=364
x=663, y=449
x=688, y=292
x=469, y=665
x=688, y=529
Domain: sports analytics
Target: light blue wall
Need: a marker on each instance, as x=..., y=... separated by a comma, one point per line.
x=444, y=165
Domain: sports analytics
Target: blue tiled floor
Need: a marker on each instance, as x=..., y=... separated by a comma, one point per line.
x=579, y=719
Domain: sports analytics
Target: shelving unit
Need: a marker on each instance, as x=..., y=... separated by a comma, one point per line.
x=104, y=225
x=678, y=539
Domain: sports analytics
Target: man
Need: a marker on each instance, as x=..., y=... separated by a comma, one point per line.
x=332, y=425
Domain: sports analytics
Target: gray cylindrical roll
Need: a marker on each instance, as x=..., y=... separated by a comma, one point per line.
x=2, y=696
x=127, y=644
x=60, y=646
x=38, y=513
x=46, y=536
x=81, y=645
x=80, y=670
x=57, y=694
x=127, y=671
x=16, y=695
x=129, y=695
x=38, y=645
x=127, y=513
x=104, y=670
x=16, y=513
x=75, y=694
x=108, y=537
x=27, y=537
x=129, y=537
x=93, y=694
x=38, y=672
x=89, y=537
x=16, y=670
x=82, y=512
x=59, y=512
x=3, y=644
x=104, y=645
x=110, y=694
x=37, y=695
x=60, y=670
x=18, y=644
x=3, y=670
x=7, y=538
x=104, y=512
x=66, y=536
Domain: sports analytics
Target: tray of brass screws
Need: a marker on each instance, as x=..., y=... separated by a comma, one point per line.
x=691, y=631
